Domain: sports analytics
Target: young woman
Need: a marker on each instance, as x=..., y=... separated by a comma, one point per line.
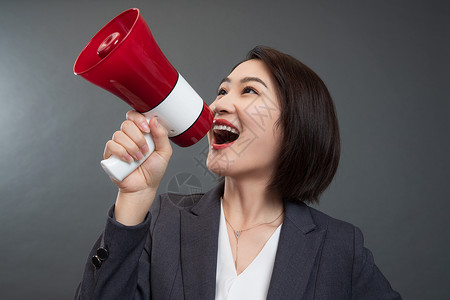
x=275, y=142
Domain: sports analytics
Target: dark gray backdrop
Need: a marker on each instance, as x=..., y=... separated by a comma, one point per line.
x=385, y=63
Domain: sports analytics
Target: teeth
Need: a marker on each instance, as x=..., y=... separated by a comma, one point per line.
x=224, y=127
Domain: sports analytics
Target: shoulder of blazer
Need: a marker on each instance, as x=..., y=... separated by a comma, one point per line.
x=340, y=235
x=325, y=221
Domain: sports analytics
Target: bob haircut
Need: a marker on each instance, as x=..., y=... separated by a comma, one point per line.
x=310, y=154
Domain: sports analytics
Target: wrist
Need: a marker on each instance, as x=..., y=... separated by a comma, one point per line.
x=131, y=208
x=137, y=196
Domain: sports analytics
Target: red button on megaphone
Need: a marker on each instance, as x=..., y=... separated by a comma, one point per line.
x=124, y=59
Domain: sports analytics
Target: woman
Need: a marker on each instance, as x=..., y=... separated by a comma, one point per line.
x=275, y=141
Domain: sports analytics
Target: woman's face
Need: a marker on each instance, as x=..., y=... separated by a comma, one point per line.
x=243, y=140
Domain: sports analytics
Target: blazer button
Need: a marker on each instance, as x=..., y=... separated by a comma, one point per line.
x=100, y=257
x=102, y=253
x=96, y=261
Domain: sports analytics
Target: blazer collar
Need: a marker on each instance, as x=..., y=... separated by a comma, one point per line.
x=299, y=244
x=300, y=241
x=199, y=242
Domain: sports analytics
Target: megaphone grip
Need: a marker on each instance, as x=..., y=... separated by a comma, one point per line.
x=118, y=169
x=185, y=123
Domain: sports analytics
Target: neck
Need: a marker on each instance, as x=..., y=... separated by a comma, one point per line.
x=247, y=202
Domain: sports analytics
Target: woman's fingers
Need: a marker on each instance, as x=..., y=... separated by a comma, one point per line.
x=133, y=133
x=159, y=135
x=129, y=143
x=113, y=148
x=139, y=120
x=126, y=142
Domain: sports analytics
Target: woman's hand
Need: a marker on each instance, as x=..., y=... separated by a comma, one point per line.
x=137, y=190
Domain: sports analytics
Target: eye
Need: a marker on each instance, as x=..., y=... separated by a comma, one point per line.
x=249, y=90
x=221, y=92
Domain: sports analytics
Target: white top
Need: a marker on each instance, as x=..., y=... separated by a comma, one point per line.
x=254, y=282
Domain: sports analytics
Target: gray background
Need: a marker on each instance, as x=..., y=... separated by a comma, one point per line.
x=385, y=62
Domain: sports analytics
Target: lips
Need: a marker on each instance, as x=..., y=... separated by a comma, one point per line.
x=224, y=134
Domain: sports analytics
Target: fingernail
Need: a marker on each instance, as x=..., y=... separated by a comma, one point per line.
x=145, y=127
x=145, y=149
x=128, y=158
x=156, y=123
x=139, y=155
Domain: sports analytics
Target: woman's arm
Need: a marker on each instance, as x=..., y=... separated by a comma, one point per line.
x=137, y=191
x=118, y=266
x=125, y=272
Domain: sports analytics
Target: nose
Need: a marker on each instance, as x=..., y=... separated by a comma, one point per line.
x=223, y=105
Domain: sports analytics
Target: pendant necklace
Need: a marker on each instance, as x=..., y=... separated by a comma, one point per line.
x=237, y=233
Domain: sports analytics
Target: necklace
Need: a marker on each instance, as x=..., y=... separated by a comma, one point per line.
x=237, y=233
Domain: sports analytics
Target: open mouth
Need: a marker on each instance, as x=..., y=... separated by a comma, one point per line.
x=225, y=134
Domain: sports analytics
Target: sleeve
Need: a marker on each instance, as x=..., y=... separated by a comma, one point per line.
x=118, y=266
x=367, y=280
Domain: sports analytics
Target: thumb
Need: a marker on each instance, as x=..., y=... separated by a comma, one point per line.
x=159, y=135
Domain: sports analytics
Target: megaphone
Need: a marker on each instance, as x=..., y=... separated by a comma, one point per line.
x=124, y=59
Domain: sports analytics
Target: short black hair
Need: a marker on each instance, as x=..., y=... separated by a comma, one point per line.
x=310, y=150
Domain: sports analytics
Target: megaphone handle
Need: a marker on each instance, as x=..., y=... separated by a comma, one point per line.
x=118, y=169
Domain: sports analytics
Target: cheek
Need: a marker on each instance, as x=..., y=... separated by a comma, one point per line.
x=270, y=140
x=263, y=112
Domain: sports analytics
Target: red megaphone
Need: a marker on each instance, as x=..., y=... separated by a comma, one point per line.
x=124, y=59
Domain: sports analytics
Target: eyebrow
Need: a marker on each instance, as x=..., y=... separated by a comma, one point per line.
x=244, y=80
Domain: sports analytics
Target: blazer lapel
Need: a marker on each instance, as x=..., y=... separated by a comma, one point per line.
x=299, y=244
x=199, y=238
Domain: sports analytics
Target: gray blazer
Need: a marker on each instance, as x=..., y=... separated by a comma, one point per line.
x=173, y=255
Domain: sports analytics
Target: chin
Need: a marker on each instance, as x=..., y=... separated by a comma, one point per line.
x=214, y=165
x=221, y=163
